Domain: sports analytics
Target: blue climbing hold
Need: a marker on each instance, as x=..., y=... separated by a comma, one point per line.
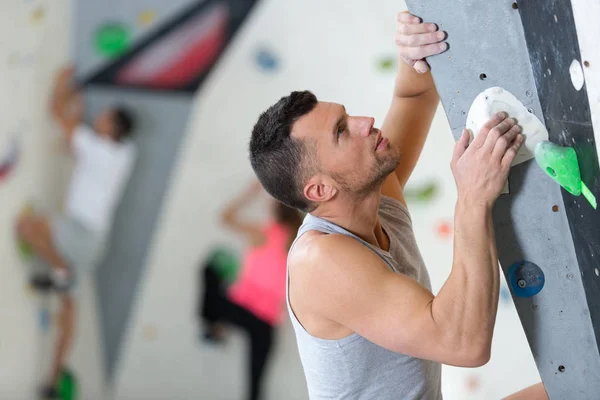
x=266, y=60
x=525, y=278
x=504, y=294
x=44, y=319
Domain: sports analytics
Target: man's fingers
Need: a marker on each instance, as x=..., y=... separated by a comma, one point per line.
x=407, y=18
x=505, y=141
x=497, y=132
x=485, y=129
x=419, y=39
x=511, y=153
x=461, y=145
x=493, y=121
x=413, y=29
x=417, y=53
x=421, y=66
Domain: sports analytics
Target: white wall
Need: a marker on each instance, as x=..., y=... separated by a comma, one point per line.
x=330, y=47
x=31, y=49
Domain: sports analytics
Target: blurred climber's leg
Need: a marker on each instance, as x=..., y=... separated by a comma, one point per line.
x=66, y=333
x=35, y=230
x=212, y=305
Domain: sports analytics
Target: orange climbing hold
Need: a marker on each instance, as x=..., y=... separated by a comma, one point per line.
x=444, y=229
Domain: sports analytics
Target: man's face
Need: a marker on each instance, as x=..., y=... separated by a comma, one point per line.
x=348, y=149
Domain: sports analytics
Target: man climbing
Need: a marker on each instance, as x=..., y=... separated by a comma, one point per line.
x=73, y=243
x=359, y=295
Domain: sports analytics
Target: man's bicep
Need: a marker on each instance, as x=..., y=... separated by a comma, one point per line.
x=391, y=310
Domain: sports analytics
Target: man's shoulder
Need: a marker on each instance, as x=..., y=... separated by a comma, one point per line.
x=316, y=249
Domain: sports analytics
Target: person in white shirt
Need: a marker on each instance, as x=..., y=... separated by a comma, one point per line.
x=73, y=242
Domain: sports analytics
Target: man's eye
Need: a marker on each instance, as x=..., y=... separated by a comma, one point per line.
x=341, y=130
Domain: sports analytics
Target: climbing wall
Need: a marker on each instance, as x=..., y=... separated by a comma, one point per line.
x=34, y=167
x=162, y=356
x=548, y=239
x=151, y=56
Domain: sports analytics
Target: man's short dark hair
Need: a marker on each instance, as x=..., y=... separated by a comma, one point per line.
x=124, y=122
x=282, y=163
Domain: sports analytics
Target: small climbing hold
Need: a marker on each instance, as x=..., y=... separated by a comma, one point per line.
x=444, y=229
x=266, y=60
x=112, y=39
x=44, y=319
x=225, y=263
x=68, y=386
x=562, y=165
x=424, y=193
x=38, y=14
x=146, y=17
x=29, y=290
x=525, y=278
x=13, y=59
x=387, y=63
x=504, y=293
x=472, y=383
x=576, y=72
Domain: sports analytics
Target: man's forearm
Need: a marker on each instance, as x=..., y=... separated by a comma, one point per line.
x=410, y=83
x=466, y=305
x=409, y=119
x=535, y=392
x=59, y=99
x=239, y=202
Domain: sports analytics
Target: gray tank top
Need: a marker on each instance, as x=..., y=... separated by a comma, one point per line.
x=353, y=367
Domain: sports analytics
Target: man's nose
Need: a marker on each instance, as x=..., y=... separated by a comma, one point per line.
x=363, y=125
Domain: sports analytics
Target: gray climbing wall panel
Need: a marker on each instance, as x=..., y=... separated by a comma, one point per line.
x=494, y=44
x=162, y=121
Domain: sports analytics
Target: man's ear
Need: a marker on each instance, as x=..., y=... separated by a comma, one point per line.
x=320, y=189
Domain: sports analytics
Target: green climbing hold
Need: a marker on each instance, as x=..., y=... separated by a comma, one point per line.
x=112, y=39
x=225, y=263
x=561, y=164
x=25, y=249
x=387, y=63
x=67, y=386
x=423, y=193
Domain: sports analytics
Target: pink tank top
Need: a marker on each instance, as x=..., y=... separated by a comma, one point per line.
x=260, y=287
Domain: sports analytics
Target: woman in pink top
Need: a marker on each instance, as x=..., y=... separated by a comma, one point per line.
x=256, y=300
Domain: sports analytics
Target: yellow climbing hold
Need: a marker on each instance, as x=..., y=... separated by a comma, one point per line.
x=38, y=14
x=146, y=17
x=29, y=290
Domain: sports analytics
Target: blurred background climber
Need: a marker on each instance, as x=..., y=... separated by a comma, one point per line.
x=255, y=302
x=72, y=243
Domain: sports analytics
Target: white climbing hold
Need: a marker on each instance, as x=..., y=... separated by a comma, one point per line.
x=576, y=73
x=496, y=99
